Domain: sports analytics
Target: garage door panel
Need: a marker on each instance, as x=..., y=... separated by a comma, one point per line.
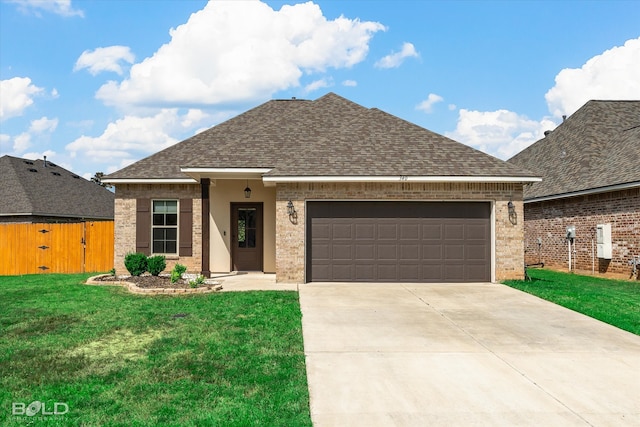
x=387, y=272
x=409, y=231
x=387, y=252
x=454, y=273
x=342, y=252
x=342, y=231
x=409, y=273
x=409, y=252
x=321, y=229
x=431, y=231
x=387, y=232
x=475, y=271
x=476, y=253
x=454, y=252
x=454, y=231
x=321, y=251
x=366, y=231
x=365, y=272
x=432, y=272
x=342, y=273
x=398, y=241
x=477, y=231
x=365, y=252
x=432, y=252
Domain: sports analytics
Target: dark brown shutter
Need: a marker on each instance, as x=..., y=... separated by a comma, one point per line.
x=186, y=227
x=143, y=226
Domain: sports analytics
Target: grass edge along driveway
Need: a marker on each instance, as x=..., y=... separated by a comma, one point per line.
x=616, y=302
x=114, y=358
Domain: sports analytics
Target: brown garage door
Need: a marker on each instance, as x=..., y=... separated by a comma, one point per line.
x=398, y=242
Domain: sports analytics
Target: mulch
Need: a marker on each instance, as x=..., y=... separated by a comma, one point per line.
x=148, y=281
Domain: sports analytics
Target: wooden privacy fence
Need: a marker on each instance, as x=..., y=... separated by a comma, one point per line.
x=56, y=248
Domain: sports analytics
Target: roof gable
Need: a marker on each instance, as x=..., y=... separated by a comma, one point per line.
x=33, y=187
x=598, y=146
x=330, y=136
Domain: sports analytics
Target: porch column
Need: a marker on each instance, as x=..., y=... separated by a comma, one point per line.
x=204, y=186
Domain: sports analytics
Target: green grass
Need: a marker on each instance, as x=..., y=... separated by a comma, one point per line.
x=616, y=302
x=117, y=359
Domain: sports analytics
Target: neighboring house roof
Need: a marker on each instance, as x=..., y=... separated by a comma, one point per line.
x=595, y=149
x=328, y=137
x=29, y=187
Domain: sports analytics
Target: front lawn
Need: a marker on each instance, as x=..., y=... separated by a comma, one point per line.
x=113, y=358
x=616, y=302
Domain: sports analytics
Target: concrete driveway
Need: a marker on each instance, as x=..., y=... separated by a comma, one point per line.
x=462, y=355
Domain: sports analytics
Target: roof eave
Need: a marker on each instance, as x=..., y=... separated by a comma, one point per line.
x=116, y=181
x=400, y=178
x=616, y=187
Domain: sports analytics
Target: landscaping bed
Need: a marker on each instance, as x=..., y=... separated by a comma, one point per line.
x=148, y=281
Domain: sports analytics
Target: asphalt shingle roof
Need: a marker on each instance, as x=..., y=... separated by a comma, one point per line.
x=330, y=136
x=28, y=187
x=598, y=146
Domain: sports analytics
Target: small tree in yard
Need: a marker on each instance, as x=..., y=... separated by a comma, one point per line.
x=136, y=263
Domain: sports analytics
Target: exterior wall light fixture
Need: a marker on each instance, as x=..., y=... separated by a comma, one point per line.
x=291, y=210
x=247, y=191
x=513, y=216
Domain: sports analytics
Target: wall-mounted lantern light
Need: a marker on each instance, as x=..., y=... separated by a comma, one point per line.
x=513, y=216
x=291, y=210
x=247, y=191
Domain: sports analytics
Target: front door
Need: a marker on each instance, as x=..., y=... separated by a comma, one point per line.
x=246, y=236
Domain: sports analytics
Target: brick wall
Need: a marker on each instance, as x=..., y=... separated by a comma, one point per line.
x=290, y=236
x=125, y=221
x=548, y=222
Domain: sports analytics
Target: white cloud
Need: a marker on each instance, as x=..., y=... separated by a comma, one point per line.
x=58, y=7
x=318, y=84
x=17, y=95
x=500, y=133
x=350, y=83
x=238, y=51
x=132, y=137
x=42, y=125
x=613, y=75
x=51, y=155
x=21, y=143
x=104, y=59
x=452, y=107
x=40, y=128
x=394, y=60
x=427, y=104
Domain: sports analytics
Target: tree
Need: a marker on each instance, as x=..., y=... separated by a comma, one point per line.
x=97, y=178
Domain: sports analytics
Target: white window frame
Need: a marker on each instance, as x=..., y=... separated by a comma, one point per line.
x=177, y=227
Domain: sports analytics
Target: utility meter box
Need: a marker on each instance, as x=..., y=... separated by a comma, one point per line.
x=603, y=240
x=571, y=232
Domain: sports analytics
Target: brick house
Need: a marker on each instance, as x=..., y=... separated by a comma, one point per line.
x=324, y=190
x=34, y=191
x=591, y=180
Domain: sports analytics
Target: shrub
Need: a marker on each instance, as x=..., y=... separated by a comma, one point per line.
x=177, y=272
x=197, y=282
x=156, y=264
x=136, y=263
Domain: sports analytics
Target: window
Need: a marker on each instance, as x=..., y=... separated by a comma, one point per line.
x=165, y=227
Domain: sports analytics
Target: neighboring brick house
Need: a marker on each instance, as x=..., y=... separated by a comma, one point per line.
x=590, y=168
x=40, y=191
x=325, y=190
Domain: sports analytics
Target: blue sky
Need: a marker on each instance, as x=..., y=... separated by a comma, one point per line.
x=97, y=85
